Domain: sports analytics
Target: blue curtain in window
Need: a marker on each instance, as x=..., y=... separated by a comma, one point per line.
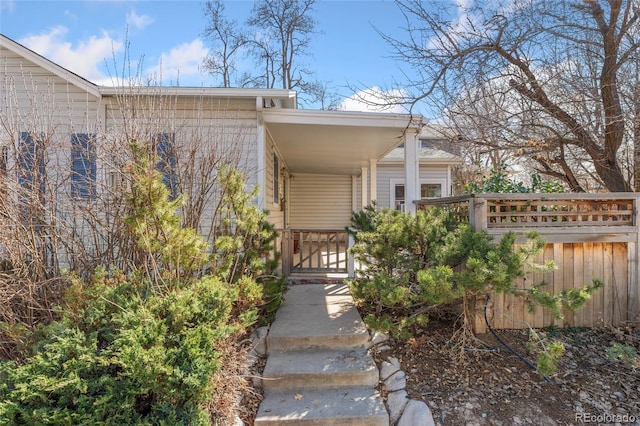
x=83, y=166
x=165, y=149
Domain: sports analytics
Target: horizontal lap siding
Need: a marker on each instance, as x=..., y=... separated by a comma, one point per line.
x=202, y=132
x=35, y=99
x=388, y=172
x=320, y=201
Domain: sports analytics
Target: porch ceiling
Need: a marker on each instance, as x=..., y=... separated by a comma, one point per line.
x=335, y=142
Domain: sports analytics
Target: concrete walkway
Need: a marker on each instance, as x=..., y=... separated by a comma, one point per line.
x=318, y=370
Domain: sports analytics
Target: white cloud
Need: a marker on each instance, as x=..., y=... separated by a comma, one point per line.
x=179, y=63
x=84, y=59
x=138, y=21
x=374, y=99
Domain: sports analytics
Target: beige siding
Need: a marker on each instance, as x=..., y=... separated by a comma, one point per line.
x=35, y=99
x=276, y=212
x=320, y=201
x=387, y=173
x=209, y=132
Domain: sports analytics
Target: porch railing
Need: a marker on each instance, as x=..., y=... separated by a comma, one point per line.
x=558, y=217
x=315, y=251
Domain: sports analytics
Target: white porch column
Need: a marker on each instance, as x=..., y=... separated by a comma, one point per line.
x=411, y=171
x=363, y=188
x=373, y=179
x=261, y=153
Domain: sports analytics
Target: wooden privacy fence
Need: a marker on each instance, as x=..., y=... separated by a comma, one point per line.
x=588, y=236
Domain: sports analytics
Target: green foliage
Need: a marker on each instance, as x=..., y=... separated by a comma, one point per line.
x=548, y=352
x=547, y=364
x=363, y=220
x=165, y=249
x=499, y=182
x=571, y=299
x=141, y=349
x=124, y=357
x=415, y=263
x=244, y=254
x=625, y=353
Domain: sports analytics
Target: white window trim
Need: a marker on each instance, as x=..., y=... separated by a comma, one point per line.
x=394, y=182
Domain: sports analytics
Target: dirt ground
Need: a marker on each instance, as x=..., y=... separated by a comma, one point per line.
x=492, y=386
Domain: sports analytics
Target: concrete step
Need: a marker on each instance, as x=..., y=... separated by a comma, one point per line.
x=357, y=406
x=317, y=316
x=319, y=369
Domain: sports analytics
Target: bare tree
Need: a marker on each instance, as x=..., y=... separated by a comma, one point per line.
x=284, y=33
x=323, y=94
x=65, y=169
x=538, y=77
x=227, y=39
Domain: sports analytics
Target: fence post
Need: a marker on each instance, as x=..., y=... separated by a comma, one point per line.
x=478, y=221
x=286, y=251
x=351, y=261
x=478, y=213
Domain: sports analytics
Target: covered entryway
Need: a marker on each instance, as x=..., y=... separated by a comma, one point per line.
x=330, y=159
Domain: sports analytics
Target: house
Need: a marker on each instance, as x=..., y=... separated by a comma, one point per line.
x=434, y=172
x=63, y=140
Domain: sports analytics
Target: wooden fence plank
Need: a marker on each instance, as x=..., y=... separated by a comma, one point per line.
x=499, y=310
x=553, y=277
x=598, y=272
x=578, y=279
x=518, y=311
x=633, y=288
x=538, y=277
x=587, y=277
x=620, y=271
x=609, y=285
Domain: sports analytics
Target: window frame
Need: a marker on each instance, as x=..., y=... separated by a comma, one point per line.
x=427, y=181
x=26, y=160
x=164, y=147
x=84, y=166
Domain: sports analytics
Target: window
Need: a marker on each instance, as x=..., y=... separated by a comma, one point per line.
x=428, y=189
x=30, y=154
x=276, y=179
x=164, y=144
x=83, y=166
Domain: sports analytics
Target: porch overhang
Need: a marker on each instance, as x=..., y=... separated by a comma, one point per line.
x=335, y=142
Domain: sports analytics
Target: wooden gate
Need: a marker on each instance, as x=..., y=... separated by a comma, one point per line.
x=306, y=251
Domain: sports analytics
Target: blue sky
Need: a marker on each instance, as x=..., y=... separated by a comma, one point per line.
x=164, y=37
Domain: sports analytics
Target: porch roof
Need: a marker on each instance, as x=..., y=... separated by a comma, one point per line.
x=335, y=142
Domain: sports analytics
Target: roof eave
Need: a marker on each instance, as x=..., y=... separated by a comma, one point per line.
x=344, y=118
x=50, y=66
x=288, y=96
